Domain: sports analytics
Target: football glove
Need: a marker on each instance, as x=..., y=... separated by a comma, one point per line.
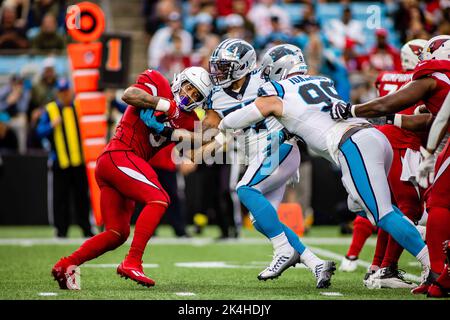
x=340, y=110
x=148, y=116
x=425, y=172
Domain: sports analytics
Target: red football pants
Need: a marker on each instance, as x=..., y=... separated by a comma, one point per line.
x=124, y=178
x=437, y=200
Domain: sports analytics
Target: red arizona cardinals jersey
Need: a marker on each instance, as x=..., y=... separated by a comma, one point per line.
x=388, y=82
x=133, y=134
x=439, y=70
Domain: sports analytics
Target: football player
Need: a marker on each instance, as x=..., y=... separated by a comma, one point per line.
x=430, y=84
x=301, y=103
x=125, y=176
x=406, y=193
x=261, y=189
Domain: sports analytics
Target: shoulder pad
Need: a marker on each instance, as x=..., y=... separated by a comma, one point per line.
x=428, y=67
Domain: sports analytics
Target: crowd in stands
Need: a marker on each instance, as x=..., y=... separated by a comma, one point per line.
x=348, y=46
x=31, y=27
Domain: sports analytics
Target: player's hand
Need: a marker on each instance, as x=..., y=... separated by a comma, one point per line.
x=148, y=116
x=340, y=110
x=425, y=172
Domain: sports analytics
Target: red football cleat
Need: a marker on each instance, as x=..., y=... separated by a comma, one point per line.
x=134, y=272
x=425, y=285
x=421, y=288
x=67, y=274
x=436, y=291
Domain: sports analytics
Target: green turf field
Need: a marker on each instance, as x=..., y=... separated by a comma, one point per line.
x=196, y=268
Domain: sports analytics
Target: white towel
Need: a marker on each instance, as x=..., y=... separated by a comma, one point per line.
x=411, y=162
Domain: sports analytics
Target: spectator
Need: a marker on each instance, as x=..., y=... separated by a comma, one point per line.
x=314, y=47
x=261, y=13
x=156, y=13
x=48, y=38
x=241, y=7
x=174, y=61
x=277, y=36
x=40, y=8
x=22, y=8
x=11, y=36
x=42, y=92
x=416, y=26
x=203, y=28
x=345, y=33
x=444, y=27
x=14, y=102
x=201, y=56
x=309, y=15
x=383, y=56
x=235, y=28
x=162, y=44
x=227, y=7
x=58, y=124
x=14, y=97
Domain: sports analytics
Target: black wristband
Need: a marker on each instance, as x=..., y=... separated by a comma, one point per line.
x=390, y=118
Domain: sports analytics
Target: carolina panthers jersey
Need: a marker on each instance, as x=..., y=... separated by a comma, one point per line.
x=306, y=112
x=225, y=101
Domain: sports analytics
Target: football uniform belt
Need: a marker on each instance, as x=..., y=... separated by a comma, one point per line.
x=352, y=131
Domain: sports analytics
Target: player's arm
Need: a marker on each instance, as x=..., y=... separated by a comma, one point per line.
x=399, y=100
x=139, y=98
x=417, y=123
x=261, y=108
x=425, y=172
x=144, y=100
x=439, y=126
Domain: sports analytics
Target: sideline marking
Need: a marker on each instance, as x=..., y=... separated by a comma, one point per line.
x=332, y=294
x=185, y=294
x=47, y=294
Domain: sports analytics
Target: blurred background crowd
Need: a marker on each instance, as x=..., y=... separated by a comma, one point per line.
x=348, y=41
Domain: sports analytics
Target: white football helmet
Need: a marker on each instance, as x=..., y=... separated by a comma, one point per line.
x=280, y=61
x=437, y=48
x=199, y=78
x=232, y=60
x=410, y=53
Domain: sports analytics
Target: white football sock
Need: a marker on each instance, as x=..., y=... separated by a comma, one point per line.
x=280, y=243
x=310, y=259
x=424, y=257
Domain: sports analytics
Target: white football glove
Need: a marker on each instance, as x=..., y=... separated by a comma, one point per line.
x=340, y=110
x=425, y=172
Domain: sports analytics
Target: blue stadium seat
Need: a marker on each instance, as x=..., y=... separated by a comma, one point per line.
x=10, y=64
x=295, y=11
